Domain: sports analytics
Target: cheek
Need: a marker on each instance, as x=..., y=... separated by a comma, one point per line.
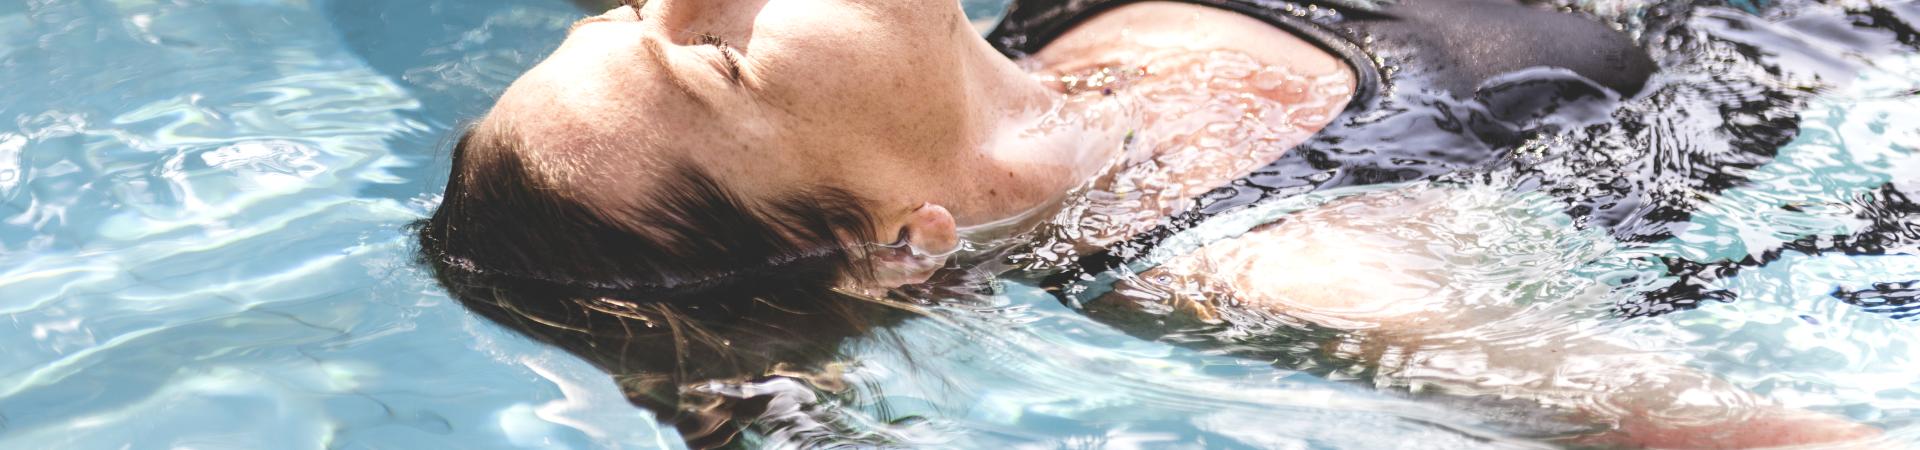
x=857, y=52
x=848, y=66
x=859, y=95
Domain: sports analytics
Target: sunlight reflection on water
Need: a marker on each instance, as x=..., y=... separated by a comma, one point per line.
x=201, y=207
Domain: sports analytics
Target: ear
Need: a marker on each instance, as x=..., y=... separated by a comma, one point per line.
x=930, y=235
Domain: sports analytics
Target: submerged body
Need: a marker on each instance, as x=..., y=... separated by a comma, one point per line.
x=1379, y=266
x=1114, y=126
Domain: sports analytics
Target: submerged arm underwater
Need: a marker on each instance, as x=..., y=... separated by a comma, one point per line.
x=1399, y=289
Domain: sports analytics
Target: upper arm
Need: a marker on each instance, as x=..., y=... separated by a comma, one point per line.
x=1363, y=263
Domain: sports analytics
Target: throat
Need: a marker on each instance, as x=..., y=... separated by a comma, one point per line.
x=1032, y=146
x=1038, y=158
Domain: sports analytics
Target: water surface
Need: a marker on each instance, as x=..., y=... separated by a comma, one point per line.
x=201, y=246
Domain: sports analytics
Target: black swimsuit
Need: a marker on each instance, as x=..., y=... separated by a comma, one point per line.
x=1456, y=45
x=1455, y=81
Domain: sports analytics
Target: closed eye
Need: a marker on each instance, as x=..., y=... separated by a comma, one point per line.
x=727, y=55
x=635, y=5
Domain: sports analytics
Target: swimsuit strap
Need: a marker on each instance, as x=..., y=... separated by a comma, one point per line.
x=1435, y=46
x=1030, y=25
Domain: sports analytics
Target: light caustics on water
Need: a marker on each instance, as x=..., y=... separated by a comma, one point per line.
x=201, y=246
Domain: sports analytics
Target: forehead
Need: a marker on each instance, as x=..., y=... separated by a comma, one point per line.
x=596, y=118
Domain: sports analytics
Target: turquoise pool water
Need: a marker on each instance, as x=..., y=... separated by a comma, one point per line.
x=201, y=246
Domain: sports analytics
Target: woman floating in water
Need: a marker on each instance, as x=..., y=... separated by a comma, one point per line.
x=699, y=189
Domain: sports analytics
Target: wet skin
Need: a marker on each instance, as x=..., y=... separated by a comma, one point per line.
x=901, y=102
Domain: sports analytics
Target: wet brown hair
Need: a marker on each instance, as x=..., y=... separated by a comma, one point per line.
x=684, y=283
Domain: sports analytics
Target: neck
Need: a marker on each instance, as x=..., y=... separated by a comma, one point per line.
x=1027, y=154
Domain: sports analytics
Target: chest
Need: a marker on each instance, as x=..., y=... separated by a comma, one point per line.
x=1206, y=97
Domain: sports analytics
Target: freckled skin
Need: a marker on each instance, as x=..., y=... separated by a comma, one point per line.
x=855, y=94
x=819, y=103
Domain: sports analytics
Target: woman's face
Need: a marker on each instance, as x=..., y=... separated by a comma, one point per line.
x=767, y=95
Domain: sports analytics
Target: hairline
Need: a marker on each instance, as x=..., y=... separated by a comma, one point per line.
x=566, y=181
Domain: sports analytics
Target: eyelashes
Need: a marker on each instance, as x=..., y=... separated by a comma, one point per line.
x=726, y=53
x=636, y=5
